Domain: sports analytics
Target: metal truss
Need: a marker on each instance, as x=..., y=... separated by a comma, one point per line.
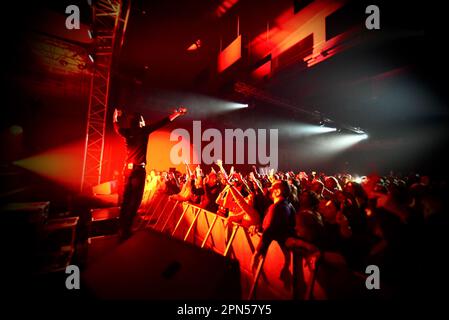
x=110, y=19
x=250, y=91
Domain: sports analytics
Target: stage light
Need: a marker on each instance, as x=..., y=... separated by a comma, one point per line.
x=351, y=139
x=323, y=122
x=344, y=141
x=90, y=33
x=199, y=105
x=357, y=179
x=62, y=164
x=358, y=130
x=236, y=106
x=312, y=149
x=91, y=57
x=323, y=129
x=329, y=144
x=308, y=129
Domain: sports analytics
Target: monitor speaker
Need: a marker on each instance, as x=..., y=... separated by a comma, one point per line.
x=151, y=265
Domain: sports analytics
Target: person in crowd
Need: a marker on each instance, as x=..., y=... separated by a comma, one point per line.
x=212, y=188
x=381, y=220
x=278, y=224
x=336, y=225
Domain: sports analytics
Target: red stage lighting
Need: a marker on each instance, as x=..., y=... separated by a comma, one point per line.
x=62, y=164
x=230, y=54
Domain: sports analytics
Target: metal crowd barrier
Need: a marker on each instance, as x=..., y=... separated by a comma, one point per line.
x=160, y=215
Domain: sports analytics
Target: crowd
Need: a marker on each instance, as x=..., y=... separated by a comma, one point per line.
x=394, y=222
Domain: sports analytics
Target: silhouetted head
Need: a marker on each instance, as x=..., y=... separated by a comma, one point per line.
x=212, y=179
x=309, y=199
x=328, y=209
x=331, y=183
x=280, y=189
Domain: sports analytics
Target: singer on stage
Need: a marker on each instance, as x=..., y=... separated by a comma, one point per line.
x=136, y=135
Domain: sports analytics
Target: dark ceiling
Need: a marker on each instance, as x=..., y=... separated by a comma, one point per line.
x=388, y=83
x=392, y=83
x=345, y=86
x=159, y=33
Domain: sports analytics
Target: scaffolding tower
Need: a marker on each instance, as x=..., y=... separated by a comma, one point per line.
x=109, y=22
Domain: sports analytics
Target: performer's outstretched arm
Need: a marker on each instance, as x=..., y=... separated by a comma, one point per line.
x=154, y=126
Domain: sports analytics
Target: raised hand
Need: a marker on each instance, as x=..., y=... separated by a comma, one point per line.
x=117, y=114
x=178, y=112
x=199, y=172
x=181, y=110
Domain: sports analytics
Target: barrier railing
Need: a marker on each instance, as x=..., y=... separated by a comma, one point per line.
x=209, y=230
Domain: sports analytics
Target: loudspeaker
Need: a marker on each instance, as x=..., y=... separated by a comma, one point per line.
x=105, y=221
x=21, y=234
x=151, y=265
